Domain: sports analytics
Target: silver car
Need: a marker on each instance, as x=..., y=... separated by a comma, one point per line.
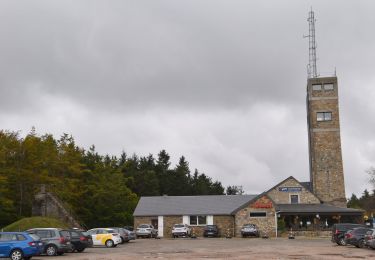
x=146, y=230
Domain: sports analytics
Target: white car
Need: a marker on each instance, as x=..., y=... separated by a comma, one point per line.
x=104, y=237
x=146, y=230
x=181, y=230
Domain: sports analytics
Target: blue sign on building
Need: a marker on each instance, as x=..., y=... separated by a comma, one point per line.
x=290, y=189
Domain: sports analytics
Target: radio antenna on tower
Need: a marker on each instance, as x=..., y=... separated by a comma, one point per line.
x=311, y=68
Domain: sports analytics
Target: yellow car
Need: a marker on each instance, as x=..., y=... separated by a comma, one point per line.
x=104, y=237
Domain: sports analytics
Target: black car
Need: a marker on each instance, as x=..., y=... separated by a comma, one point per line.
x=356, y=236
x=339, y=230
x=211, y=231
x=79, y=240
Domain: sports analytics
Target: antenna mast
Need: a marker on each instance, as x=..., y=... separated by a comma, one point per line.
x=311, y=68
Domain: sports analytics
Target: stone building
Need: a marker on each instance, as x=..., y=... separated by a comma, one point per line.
x=290, y=201
x=326, y=167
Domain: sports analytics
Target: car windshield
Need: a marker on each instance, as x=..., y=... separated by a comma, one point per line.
x=34, y=237
x=179, y=226
x=144, y=226
x=249, y=226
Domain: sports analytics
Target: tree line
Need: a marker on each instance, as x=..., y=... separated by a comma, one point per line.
x=367, y=199
x=101, y=190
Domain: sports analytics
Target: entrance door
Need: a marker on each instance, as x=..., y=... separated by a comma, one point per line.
x=154, y=222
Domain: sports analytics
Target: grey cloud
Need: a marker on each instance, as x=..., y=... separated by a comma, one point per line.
x=221, y=82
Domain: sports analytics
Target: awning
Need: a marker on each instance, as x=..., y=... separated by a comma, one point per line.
x=308, y=209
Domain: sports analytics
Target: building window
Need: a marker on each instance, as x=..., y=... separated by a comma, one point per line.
x=294, y=199
x=317, y=87
x=198, y=220
x=328, y=86
x=324, y=116
x=259, y=214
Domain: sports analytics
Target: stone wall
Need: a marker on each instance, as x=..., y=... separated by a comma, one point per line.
x=225, y=224
x=169, y=221
x=266, y=225
x=143, y=220
x=326, y=167
x=280, y=197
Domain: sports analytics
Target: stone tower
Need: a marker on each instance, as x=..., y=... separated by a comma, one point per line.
x=326, y=168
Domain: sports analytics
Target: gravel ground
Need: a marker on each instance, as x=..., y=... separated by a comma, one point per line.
x=220, y=248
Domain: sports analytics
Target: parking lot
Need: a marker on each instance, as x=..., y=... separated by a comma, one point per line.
x=221, y=248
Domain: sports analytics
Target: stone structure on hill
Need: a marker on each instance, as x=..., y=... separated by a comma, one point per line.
x=46, y=204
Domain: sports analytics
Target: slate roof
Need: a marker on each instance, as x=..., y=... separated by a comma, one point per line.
x=190, y=205
x=315, y=208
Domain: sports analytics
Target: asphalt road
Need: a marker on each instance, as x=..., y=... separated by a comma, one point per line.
x=221, y=248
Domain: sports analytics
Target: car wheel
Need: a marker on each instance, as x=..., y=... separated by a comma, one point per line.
x=73, y=248
x=342, y=242
x=16, y=254
x=51, y=250
x=109, y=243
x=361, y=243
x=80, y=250
x=122, y=241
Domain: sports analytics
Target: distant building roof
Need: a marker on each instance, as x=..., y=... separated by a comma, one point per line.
x=315, y=208
x=190, y=205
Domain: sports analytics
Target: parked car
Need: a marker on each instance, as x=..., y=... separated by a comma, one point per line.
x=249, y=230
x=339, y=230
x=56, y=241
x=146, y=230
x=19, y=245
x=181, y=230
x=130, y=228
x=123, y=234
x=356, y=236
x=79, y=240
x=211, y=231
x=370, y=238
x=104, y=237
x=131, y=234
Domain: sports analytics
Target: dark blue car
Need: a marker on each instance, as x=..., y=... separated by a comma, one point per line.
x=19, y=245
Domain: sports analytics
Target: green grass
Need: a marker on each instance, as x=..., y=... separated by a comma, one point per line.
x=35, y=222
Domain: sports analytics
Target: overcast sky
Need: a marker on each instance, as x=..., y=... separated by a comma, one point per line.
x=221, y=82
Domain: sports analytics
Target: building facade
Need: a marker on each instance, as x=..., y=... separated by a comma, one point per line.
x=289, y=202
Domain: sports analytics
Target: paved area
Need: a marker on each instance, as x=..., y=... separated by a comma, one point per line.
x=221, y=248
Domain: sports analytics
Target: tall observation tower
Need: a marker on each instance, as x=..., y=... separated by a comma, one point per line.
x=326, y=168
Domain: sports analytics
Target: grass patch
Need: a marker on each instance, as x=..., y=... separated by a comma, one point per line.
x=35, y=222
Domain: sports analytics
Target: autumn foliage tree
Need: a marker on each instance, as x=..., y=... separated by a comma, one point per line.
x=101, y=190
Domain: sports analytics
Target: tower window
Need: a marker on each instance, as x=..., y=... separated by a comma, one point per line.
x=324, y=116
x=317, y=87
x=328, y=86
